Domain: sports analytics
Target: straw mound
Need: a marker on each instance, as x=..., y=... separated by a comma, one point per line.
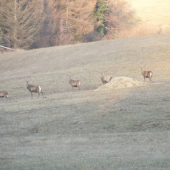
x=121, y=82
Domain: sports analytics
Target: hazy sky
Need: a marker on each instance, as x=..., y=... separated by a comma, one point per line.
x=153, y=11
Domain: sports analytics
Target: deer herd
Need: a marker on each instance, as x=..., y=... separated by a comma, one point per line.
x=74, y=83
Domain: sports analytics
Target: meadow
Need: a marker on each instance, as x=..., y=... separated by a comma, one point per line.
x=124, y=128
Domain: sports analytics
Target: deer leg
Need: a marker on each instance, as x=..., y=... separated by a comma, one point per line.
x=42, y=93
x=8, y=98
x=31, y=96
x=38, y=95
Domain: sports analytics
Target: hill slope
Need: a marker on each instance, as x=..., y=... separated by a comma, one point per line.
x=124, y=128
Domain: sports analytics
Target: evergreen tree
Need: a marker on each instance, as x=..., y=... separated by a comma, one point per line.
x=100, y=10
x=113, y=16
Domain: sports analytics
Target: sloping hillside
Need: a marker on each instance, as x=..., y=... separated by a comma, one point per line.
x=125, y=128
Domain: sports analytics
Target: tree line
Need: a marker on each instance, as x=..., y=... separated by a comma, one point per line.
x=29, y=24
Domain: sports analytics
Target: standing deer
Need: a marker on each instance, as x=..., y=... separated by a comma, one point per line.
x=74, y=83
x=146, y=74
x=4, y=94
x=105, y=79
x=34, y=89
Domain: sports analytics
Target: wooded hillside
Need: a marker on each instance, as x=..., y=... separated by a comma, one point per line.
x=31, y=24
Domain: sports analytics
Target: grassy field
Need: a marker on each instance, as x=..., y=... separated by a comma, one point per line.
x=127, y=128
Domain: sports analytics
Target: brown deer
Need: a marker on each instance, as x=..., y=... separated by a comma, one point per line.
x=74, y=83
x=146, y=74
x=34, y=89
x=105, y=79
x=4, y=94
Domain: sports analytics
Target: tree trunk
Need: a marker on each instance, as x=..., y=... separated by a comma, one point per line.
x=15, y=22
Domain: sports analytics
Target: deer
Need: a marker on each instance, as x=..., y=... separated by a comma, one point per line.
x=34, y=89
x=146, y=74
x=74, y=83
x=5, y=94
x=105, y=79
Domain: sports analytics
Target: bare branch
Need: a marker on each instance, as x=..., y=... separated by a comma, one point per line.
x=7, y=48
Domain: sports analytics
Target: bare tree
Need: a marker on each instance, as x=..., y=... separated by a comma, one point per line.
x=81, y=18
x=21, y=20
x=73, y=19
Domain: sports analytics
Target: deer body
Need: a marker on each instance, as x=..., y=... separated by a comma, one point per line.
x=4, y=94
x=75, y=83
x=34, y=89
x=146, y=74
x=105, y=79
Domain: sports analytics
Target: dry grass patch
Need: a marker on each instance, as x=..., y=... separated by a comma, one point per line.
x=144, y=30
x=121, y=82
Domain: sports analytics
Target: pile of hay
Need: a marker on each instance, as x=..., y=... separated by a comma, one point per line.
x=121, y=82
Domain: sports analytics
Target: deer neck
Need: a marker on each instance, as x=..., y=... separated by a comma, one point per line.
x=70, y=81
x=27, y=85
x=142, y=71
x=102, y=76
